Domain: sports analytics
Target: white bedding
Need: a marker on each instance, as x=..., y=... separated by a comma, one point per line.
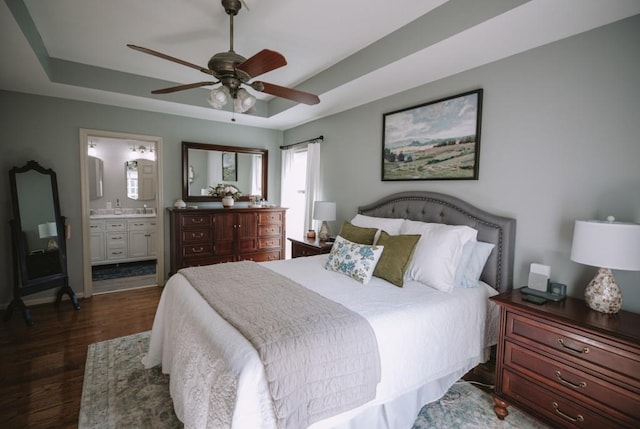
x=423, y=335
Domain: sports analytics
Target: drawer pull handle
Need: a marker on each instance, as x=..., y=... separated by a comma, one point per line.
x=197, y=221
x=584, y=350
x=577, y=419
x=194, y=250
x=580, y=385
x=193, y=235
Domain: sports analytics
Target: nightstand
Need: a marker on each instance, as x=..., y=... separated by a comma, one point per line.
x=566, y=364
x=309, y=247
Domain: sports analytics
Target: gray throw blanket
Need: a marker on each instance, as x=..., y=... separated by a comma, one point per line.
x=320, y=358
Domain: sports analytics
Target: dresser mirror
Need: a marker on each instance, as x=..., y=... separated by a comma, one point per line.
x=38, y=237
x=205, y=165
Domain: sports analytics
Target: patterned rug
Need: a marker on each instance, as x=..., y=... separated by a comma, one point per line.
x=119, y=393
x=126, y=269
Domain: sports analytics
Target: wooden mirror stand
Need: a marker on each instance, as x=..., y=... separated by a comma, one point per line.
x=38, y=237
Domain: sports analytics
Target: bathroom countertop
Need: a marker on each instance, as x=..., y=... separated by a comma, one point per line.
x=121, y=216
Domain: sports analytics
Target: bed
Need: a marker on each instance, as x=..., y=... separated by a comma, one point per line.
x=426, y=338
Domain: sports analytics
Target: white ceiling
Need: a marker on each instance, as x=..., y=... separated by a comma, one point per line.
x=347, y=52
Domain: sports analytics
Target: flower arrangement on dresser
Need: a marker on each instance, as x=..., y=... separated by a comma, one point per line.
x=228, y=193
x=222, y=190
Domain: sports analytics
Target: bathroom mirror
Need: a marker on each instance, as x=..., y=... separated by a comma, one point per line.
x=96, y=177
x=205, y=165
x=140, y=179
x=38, y=236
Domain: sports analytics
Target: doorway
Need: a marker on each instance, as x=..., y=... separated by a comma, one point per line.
x=122, y=216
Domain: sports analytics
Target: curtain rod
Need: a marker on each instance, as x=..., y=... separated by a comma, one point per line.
x=317, y=139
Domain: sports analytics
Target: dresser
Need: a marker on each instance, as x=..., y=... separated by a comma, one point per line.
x=568, y=365
x=212, y=236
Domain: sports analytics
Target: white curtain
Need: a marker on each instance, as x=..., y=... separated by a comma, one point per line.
x=313, y=183
x=287, y=188
x=256, y=175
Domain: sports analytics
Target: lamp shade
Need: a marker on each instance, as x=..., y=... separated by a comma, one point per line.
x=608, y=244
x=47, y=230
x=324, y=210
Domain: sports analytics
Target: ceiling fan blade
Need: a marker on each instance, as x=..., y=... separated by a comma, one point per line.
x=169, y=58
x=262, y=62
x=182, y=87
x=284, y=92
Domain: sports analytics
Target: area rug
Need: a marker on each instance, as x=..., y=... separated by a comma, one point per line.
x=126, y=269
x=119, y=393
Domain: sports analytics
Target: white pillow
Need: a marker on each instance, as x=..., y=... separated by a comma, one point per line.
x=390, y=225
x=472, y=262
x=354, y=260
x=437, y=255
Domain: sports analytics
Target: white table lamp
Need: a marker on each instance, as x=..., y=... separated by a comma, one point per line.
x=324, y=211
x=607, y=245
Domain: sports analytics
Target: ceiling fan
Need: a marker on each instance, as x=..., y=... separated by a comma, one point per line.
x=233, y=71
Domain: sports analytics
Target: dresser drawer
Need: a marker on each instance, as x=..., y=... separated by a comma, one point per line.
x=554, y=406
x=116, y=253
x=197, y=250
x=116, y=239
x=261, y=256
x=202, y=235
x=583, y=349
x=269, y=243
x=96, y=226
x=195, y=220
x=264, y=218
x=273, y=229
x=564, y=378
x=115, y=225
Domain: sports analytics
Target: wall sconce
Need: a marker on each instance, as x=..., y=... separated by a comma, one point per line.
x=92, y=149
x=192, y=174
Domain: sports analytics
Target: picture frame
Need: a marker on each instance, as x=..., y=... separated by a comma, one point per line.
x=230, y=166
x=437, y=140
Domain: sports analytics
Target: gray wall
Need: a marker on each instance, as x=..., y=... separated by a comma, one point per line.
x=46, y=129
x=560, y=142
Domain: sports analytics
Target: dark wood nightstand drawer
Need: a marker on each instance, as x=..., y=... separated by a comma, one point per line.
x=555, y=407
x=580, y=348
x=563, y=378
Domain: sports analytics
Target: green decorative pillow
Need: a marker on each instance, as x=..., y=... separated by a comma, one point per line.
x=356, y=234
x=395, y=258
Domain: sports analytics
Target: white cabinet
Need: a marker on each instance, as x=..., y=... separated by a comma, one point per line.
x=96, y=239
x=142, y=235
x=122, y=240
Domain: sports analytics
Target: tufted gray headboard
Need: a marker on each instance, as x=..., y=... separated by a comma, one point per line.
x=440, y=208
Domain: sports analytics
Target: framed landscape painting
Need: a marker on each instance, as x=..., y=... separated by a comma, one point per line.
x=229, y=166
x=438, y=140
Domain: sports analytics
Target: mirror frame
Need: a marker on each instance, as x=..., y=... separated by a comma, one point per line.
x=213, y=147
x=22, y=283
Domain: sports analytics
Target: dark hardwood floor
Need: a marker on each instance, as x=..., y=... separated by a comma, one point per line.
x=42, y=366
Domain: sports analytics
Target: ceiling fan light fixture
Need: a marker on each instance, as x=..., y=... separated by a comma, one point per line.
x=219, y=97
x=244, y=101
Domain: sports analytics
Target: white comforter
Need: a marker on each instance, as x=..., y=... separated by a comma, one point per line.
x=423, y=335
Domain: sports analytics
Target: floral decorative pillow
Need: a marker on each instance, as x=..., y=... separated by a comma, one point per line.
x=354, y=260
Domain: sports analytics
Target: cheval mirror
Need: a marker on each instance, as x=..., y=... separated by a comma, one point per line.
x=38, y=237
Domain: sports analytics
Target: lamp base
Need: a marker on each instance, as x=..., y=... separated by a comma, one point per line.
x=603, y=294
x=325, y=233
